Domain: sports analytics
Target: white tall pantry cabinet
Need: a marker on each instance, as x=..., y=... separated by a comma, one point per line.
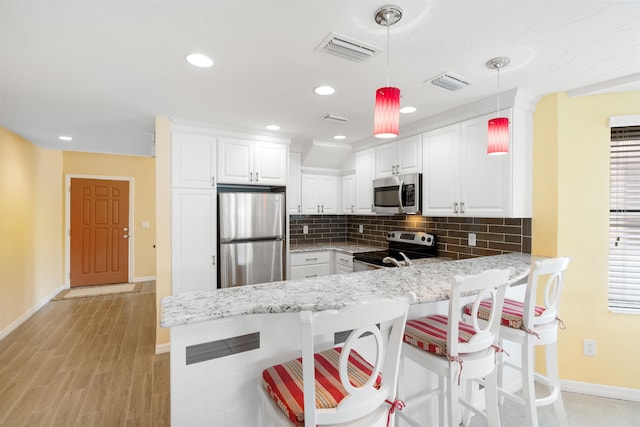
x=193, y=213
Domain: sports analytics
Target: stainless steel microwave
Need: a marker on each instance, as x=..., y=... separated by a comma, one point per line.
x=398, y=194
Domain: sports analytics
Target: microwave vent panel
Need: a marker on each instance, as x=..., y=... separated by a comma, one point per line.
x=449, y=82
x=353, y=50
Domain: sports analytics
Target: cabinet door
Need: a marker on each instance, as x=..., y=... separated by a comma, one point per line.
x=310, y=197
x=440, y=180
x=485, y=181
x=386, y=160
x=193, y=160
x=193, y=233
x=348, y=194
x=235, y=161
x=329, y=197
x=294, y=205
x=409, y=155
x=270, y=164
x=365, y=171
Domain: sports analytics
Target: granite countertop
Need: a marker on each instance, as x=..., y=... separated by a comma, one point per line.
x=349, y=247
x=429, y=281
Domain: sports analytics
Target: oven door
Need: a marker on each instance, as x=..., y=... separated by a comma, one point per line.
x=397, y=194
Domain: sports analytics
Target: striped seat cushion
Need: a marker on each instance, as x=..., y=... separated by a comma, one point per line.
x=511, y=312
x=284, y=382
x=430, y=333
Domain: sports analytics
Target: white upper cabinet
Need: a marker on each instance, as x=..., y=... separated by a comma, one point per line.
x=402, y=156
x=349, y=194
x=193, y=160
x=319, y=194
x=242, y=161
x=461, y=179
x=294, y=204
x=365, y=173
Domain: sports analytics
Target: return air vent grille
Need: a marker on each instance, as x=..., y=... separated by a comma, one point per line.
x=346, y=48
x=332, y=117
x=449, y=82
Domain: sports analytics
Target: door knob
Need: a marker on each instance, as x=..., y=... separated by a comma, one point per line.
x=126, y=236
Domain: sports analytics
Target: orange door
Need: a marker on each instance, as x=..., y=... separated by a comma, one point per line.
x=99, y=232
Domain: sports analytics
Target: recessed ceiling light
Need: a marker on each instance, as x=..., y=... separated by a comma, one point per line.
x=273, y=127
x=65, y=138
x=339, y=137
x=407, y=110
x=324, y=90
x=199, y=60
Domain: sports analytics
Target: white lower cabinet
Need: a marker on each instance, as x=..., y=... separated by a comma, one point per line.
x=343, y=262
x=193, y=246
x=310, y=264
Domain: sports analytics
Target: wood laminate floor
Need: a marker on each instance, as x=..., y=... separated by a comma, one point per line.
x=86, y=362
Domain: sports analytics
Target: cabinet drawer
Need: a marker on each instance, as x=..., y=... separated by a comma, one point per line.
x=309, y=258
x=306, y=271
x=343, y=259
x=341, y=269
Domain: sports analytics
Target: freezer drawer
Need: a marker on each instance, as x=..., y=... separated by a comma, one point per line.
x=249, y=263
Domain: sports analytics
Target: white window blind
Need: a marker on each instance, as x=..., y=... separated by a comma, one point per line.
x=624, y=220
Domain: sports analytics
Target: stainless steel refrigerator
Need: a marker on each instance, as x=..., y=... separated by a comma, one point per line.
x=251, y=230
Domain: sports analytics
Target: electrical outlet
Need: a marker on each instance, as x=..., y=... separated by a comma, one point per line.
x=589, y=347
x=472, y=239
x=305, y=229
x=360, y=228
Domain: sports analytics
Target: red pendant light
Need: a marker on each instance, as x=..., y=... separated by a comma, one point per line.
x=498, y=132
x=387, y=108
x=387, y=114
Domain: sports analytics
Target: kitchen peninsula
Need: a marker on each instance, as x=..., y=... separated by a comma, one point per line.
x=221, y=340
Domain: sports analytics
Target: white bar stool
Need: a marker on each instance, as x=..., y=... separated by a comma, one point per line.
x=531, y=325
x=457, y=351
x=340, y=384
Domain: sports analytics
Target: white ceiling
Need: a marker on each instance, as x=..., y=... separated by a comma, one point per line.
x=101, y=71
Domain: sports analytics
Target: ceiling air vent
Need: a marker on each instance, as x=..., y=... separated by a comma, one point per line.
x=449, y=82
x=331, y=117
x=341, y=46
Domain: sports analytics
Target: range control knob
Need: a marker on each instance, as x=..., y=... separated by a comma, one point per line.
x=388, y=234
x=429, y=239
x=393, y=235
x=424, y=238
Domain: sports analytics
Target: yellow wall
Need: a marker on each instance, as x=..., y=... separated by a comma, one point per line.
x=570, y=217
x=30, y=218
x=163, y=220
x=142, y=170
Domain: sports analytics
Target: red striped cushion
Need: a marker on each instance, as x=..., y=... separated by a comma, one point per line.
x=430, y=333
x=511, y=312
x=284, y=382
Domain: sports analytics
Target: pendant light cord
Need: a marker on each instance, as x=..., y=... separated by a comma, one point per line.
x=388, y=53
x=498, y=94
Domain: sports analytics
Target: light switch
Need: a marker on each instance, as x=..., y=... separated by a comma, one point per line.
x=145, y=224
x=305, y=229
x=472, y=239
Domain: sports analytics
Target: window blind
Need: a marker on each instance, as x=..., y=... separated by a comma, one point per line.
x=624, y=220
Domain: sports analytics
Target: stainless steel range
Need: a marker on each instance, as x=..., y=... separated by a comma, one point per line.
x=404, y=246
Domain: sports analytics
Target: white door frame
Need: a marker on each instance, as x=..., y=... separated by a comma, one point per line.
x=67, y=222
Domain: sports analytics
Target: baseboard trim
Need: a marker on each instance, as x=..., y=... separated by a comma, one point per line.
x=20, y=320
x=163, y=348
x=600, y=390
x=143, y=279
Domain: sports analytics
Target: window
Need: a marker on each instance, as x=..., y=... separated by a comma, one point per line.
x=624, y=219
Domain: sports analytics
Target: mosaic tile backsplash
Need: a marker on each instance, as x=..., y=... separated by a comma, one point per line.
x=494, y=236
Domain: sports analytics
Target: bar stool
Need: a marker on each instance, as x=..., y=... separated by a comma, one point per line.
x=457, y=351
x=340, y=384
x=531, y=325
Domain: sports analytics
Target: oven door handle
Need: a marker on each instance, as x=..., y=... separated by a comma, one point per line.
x=400, y=206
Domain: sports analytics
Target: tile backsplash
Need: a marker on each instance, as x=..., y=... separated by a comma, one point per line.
x=494, y=236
